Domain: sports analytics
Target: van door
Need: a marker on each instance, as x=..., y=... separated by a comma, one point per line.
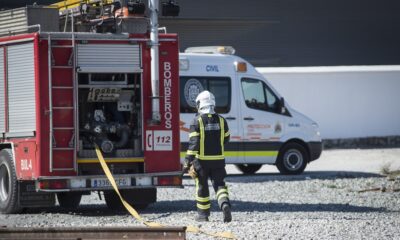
x=226, y=102
x=261, y=122
x=232, y=116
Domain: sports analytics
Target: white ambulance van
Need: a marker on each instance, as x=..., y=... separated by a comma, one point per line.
x=264, y=128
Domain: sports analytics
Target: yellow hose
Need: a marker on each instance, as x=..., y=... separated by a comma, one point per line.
x=136, y=215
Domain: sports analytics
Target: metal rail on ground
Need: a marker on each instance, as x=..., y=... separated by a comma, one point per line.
x=93, y=233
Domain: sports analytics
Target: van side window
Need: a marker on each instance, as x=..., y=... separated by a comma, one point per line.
x=258, y=95
x=190, y=87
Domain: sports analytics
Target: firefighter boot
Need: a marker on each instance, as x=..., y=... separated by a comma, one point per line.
x=201, y=218
x=226, y=210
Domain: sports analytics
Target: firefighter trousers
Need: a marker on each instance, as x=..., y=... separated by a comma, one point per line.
x=217, y=176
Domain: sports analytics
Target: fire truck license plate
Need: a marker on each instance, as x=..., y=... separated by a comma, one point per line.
x=103, y=182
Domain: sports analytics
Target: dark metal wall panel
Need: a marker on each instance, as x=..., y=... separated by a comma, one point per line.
x=248, y=26
x=21, y=88
x=295, y=33
x=9, y=4
x=239, y=9
x=244, y=36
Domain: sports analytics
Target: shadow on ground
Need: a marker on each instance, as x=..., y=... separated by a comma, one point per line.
x=170, y=207
x=309, y=175
x=247, y=206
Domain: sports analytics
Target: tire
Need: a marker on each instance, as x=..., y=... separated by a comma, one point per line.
x=69, y=200
x=139, y=199
x=248, y=168
x=9, y=198
x=112, y=201
x=292, y=159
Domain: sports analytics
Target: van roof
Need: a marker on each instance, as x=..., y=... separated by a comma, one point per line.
x=213, y=64
x=214, y=56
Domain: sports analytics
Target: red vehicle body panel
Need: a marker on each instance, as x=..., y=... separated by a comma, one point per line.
x=169, y=107
x=32, y=154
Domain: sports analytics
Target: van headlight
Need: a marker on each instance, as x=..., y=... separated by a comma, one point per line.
x=316, y=128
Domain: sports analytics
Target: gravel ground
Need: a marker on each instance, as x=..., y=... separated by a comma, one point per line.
x=322, y=203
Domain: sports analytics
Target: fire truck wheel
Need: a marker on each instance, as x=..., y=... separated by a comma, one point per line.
x=137, y=198
x=69, y=200
x=8, y=184
x=292, y=159
x=112, y=200
x=248, y=168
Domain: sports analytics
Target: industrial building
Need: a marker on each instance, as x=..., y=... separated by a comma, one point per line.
x=288, y=32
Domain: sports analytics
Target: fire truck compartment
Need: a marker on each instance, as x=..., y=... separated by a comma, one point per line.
x=109, y=110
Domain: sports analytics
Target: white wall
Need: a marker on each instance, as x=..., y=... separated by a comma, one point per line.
x=347, y=102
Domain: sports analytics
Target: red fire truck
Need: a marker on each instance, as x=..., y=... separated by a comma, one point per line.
x=62, y=92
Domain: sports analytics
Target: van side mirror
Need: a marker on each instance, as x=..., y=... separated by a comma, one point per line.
x=282, y=107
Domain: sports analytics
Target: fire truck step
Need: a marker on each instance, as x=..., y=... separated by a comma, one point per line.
x=63, y=169
x=62, y=46
x=62, y=108
x=62, y=67
x=62, y=149
x=63, y=87
x=63, y=128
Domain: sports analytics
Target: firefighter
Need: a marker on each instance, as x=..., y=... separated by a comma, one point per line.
x=205, y=157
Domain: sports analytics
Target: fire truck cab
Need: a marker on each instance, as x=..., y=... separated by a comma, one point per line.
x=75, y=85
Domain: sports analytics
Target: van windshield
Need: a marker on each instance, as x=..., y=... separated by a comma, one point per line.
x=258, y=95
x=190, y=87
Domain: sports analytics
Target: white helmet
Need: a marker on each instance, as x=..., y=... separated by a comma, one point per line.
x=205, y=102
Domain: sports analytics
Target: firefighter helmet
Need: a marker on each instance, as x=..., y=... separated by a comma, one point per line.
x=205, y=102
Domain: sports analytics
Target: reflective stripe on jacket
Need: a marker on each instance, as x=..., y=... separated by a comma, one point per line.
x=208, y=134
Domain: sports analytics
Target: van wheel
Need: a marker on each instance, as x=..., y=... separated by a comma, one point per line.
x=8, y=184
x=292, y=159
x=69, y=200
x=248, y=168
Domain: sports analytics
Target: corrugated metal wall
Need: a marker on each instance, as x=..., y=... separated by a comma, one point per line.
x=21, y=88
x=12, y=20
x=290, y=32
x=294, y=33
x=230, y=33
x=2, y=93
x=8, y=4
x=17, y=20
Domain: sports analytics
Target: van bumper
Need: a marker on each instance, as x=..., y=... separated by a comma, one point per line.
x=315, y=150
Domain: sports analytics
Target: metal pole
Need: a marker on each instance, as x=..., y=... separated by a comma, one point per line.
x=50, y=104
x=75, y=94
x=155, y=101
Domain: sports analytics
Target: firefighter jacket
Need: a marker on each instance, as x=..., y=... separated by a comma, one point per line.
x=208, y=134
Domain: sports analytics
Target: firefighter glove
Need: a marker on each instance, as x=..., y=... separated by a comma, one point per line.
x=186, y=166
x=192, y=172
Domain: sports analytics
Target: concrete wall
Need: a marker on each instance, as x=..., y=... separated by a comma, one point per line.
x=347, y=102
